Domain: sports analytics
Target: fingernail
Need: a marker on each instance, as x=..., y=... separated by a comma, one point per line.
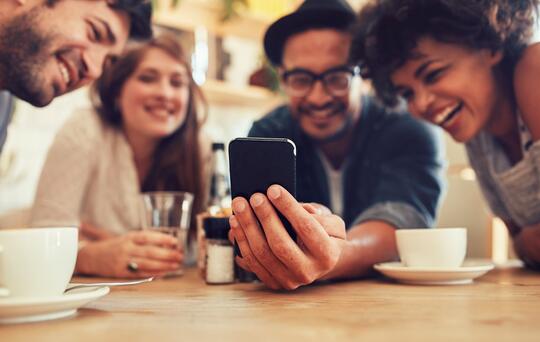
x=274, y=192
x=256, y=200
x=239, y=206
x=233, y=222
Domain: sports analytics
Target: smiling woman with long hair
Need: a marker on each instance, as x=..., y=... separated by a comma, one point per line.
x=471, y=67
x=143, y=135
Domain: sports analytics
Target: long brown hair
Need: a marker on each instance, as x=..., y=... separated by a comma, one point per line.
x=177, y=162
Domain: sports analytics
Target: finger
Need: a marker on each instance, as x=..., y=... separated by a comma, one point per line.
x=158, y=253
x=333, y=225
x=277, y=237
x=316, y=208
x=154, y=266
x=240, y=262
x=257, y=240
x=153, y=238
x=306, y=226
x=248, y=259
x=310, y=208
x=230, y=234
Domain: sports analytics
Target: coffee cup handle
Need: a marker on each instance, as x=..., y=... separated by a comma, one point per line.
x=3, y=292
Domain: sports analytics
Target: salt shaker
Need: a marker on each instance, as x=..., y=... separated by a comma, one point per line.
x=219, y=251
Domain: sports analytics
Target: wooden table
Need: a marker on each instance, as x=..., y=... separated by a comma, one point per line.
x=504, y=305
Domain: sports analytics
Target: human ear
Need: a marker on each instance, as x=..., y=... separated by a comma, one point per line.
x=495, y=57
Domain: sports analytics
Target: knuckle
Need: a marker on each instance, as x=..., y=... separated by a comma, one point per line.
x=339, y=223
x=264, y=213
x=329, y=258
x=239, y=236
x=305, y=277
x=280, y=248
x=262, y=254
x=305, y=226
x=290, y=285
x=248, y=260
x=124, y=248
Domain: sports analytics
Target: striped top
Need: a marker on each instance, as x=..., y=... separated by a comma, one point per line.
x=512, y=191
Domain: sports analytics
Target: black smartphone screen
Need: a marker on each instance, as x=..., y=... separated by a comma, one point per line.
x=257, y=163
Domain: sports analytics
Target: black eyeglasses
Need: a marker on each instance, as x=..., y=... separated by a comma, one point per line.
x=336, y=81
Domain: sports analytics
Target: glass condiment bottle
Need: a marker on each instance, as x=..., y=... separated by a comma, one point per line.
x=219, y=265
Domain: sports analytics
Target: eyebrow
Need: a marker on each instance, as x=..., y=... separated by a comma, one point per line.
x=110, y=35
x=423, y=68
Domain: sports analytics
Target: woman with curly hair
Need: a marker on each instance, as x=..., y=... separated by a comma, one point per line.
x=470, y=67
x=144, y=134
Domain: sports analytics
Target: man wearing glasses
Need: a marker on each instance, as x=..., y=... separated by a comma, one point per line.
x=376, y=170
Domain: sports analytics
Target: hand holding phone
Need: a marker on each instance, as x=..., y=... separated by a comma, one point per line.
x=257, y=163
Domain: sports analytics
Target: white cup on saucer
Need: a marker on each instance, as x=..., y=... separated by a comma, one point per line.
x=434, y=248
x=36, y=262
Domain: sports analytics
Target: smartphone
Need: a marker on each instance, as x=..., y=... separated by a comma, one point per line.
x=257, y=163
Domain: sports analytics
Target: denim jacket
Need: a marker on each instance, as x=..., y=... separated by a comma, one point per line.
x=394, y=171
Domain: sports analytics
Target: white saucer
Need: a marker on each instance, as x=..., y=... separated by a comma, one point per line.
x=24, y=310
x=435, y=276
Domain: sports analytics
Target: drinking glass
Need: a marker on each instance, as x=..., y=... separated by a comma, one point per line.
x=169, y=213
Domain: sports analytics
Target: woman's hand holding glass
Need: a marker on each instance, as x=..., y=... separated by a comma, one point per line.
x=149, y=253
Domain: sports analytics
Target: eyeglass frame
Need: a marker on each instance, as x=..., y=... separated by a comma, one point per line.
x=353, y=70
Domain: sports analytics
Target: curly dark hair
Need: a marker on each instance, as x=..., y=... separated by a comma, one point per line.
x=387, y=32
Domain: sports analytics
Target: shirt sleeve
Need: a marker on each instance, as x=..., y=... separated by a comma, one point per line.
x=411, y=182
x=66, y=174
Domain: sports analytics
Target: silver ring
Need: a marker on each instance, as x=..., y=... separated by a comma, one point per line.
x=132, y=266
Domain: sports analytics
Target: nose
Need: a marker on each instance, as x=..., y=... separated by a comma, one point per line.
x=421, y=102
x=318, y=94
x=94, y=60
x=165, y=89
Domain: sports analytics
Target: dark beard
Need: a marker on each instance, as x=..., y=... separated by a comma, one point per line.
x=23, y=51
x=342, y=131
x=339, y=134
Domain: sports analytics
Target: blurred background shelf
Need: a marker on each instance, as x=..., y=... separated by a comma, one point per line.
x=224, y=94
x=190, y=14
x=251, y=21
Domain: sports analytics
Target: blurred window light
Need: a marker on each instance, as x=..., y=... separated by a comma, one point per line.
x=467, y=174
x=271, y=9
x=200, y=58
x=499, y=241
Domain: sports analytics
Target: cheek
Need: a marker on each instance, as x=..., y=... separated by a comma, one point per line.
x=294, y=105
x=182, y=102
x=413, y=110
x=133, y=95
x=129, y=105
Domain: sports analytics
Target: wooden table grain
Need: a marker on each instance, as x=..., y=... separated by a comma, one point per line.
x=504, y=305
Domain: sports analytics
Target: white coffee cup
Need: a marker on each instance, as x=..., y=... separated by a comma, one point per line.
x=436, y=247
x=37, y=262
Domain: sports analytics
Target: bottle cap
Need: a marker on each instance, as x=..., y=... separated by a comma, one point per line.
x=218, y=146
x=217, y=228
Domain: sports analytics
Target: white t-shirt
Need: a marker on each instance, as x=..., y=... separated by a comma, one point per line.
x=335, y=184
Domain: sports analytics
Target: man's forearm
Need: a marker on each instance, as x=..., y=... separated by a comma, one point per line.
x=368, y=243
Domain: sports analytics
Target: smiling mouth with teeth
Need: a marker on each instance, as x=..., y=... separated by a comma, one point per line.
x=65, y=73
x=447, y=115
